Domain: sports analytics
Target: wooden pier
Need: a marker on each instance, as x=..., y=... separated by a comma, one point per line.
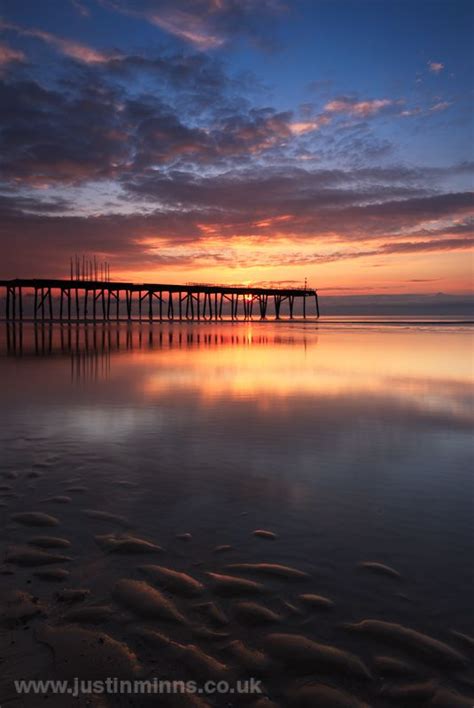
x=102, y=300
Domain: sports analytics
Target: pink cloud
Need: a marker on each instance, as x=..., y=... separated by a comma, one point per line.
x=8, y=55
x=206, y=24
x=70, y=48
x=361, y=109
x=188, y=27
x=435, y=66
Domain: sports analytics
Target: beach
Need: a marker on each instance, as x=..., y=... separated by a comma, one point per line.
x=289, y=502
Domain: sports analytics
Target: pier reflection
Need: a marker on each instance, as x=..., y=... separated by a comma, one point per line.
x=90, y=348
x=47, y=340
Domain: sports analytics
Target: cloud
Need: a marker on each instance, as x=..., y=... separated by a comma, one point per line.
x=187, y=27
x=202, y=231
x=352, y=204
x=441, y=106
x=95, y=130
x=360, y=109
x=435, y=67
x=417, y=111
x=70, y=48
x=9, y=55
x=302, y=127
x=81, y=8
x=166, y=159
x=206, y=24
x=409, y=112
x=48, y=136
x=449, y=244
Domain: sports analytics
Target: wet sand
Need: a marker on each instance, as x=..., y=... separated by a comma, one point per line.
x=111, y=527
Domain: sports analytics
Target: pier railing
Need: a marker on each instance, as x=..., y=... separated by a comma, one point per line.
x=99, y=300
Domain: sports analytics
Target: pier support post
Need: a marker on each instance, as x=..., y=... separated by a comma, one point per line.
x=13, y=302
x=317, y=303
x=43, y=297
x=291, y=302
x=277, y=306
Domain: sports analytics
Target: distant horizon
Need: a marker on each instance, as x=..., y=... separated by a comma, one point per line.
x=357, y=305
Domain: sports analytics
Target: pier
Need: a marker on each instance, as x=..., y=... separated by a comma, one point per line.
x=83, y=300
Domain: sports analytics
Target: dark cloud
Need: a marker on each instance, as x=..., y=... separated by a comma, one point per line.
x=448, y=244
x=32, y=227
x=91, y=127
x=363, y=203
x=49, y=136
x=193, y=79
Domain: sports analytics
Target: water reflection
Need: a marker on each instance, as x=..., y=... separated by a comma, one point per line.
x=90, y=348
x=428, y=370
x=351, y=442
x=50, y=339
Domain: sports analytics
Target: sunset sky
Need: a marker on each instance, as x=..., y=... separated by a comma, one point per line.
x=240, y=141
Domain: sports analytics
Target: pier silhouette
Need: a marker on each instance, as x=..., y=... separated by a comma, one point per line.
x=84, y=300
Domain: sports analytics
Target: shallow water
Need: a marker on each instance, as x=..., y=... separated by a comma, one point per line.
x=352, y=442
